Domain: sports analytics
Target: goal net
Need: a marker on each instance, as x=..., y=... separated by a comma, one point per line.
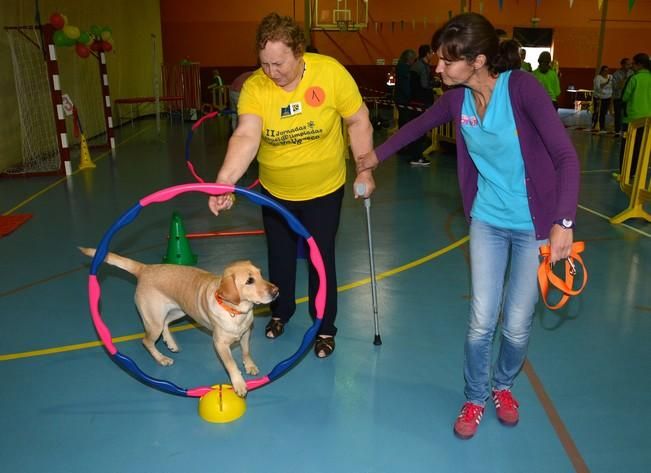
x=46, y=124
x=40, y=150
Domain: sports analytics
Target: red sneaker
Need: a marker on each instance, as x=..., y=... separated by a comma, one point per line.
x=468, y=420
x=507, y=407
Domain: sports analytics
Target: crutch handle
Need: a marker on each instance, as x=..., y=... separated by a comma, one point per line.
x=360, y=190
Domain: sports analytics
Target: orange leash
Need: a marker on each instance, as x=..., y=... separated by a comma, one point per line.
x=546, y=276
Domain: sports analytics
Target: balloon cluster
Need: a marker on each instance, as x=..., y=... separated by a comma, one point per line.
x=98, y=39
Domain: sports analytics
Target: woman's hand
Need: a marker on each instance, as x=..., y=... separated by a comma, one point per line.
x=560, y=242
x=217, y=203
x=366, y=162
x=365, y=179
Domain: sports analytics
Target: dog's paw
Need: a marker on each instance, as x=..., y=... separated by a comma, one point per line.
x=171, y=346
x=239, y=386
x=165, y=361
x=250, y=367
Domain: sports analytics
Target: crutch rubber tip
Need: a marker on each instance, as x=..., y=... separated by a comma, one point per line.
x=377, y=340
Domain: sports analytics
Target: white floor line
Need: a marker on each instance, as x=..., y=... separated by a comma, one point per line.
x=606, y=217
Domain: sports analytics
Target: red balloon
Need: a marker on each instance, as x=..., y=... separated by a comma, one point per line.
x=106, y=46
x=96, y=46
x=57, y=21
x=82, y=50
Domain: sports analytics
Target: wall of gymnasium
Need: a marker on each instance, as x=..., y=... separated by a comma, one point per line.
x=129, y=63
x=221, y=33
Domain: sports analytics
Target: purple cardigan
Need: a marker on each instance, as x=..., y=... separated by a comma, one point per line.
x=550, y=160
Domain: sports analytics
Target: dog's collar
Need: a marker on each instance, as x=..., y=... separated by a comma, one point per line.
x=231, y=310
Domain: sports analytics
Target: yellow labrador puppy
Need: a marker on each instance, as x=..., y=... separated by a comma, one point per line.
x=224, y=305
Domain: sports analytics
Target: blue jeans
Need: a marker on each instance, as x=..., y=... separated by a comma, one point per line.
x=514, y=294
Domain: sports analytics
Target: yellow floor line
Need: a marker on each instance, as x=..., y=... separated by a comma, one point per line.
x=63, y=179
x=188, y=326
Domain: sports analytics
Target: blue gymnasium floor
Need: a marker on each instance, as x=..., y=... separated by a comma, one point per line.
x=66, y=407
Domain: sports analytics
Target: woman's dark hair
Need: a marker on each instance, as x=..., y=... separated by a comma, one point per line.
x=468, y=35
x=642, y=59
x=274, y=27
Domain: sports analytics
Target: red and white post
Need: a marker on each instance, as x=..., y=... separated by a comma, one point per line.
x=57, y=101
x=108, y=111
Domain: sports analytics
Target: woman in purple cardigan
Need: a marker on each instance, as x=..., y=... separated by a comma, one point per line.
x=519, y=179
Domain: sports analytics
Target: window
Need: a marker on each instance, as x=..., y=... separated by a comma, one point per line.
x=533, y=37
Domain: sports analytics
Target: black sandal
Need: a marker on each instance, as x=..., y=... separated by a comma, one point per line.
x=323, y=347
x=274, y=328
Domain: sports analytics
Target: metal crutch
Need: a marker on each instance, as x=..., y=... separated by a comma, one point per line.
x=360, y=189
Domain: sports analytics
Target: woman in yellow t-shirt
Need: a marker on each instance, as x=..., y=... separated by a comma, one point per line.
x=290, y=112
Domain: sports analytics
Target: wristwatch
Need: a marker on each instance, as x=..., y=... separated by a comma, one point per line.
x=566, y=223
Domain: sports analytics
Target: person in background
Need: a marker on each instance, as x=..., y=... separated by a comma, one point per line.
x=402, y=91
x=601, y=94
x=620, y=77
x=421, y=73
x=526, y=66
x=234, y=95
x=290, y=116
x=637, y=99
x=422, y=96
x=519, y=179
x=548, y=77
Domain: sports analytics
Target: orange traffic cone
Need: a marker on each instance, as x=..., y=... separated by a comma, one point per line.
x=178, y=246
x=86, y=162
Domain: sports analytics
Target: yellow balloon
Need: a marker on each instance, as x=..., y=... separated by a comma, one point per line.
x=106, y=35
x=71, y=32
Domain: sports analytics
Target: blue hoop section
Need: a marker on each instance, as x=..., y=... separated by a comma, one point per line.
x=130, y=366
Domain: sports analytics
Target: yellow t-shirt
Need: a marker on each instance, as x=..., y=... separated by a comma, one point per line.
x=302, y=154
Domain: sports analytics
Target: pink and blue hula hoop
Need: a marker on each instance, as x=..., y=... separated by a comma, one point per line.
x=94, y=291
x=188, y=142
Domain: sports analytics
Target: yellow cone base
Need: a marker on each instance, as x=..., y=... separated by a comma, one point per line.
x=86, y=162
x=221, y=405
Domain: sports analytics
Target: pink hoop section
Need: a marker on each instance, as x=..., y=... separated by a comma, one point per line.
x=198, y=392
x=194, y=173
x=252, y=384
x=204, y=118
x=94, y=293
x=171, y=192
x=317, y=261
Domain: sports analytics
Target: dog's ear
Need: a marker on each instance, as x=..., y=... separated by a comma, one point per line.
x=228, y=290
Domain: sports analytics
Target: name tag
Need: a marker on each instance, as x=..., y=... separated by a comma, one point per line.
x=291, y=110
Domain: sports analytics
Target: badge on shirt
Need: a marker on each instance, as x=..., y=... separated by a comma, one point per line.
x=291, y=110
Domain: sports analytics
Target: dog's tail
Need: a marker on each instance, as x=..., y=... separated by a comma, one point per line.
x=129, y=265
